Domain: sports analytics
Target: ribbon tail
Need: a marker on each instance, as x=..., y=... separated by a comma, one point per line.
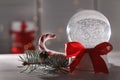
x=76, y=61
x=99, y=64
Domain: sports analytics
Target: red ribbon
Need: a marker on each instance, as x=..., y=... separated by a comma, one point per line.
x=78, y=50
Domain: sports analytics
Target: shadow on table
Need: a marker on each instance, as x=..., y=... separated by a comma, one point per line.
x=83, y=75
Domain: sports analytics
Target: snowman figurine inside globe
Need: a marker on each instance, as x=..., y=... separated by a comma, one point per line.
x=90, y=28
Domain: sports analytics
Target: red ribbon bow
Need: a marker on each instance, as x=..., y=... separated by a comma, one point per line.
x=78, y=50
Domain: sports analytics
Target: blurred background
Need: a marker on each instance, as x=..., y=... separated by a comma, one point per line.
x=26, y=20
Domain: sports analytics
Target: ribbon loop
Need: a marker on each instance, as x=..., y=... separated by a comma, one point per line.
x=103, y=48
x=74, y=48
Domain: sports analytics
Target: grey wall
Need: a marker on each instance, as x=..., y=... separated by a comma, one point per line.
x=55, y=15
x=12, y=10
x=111, y=9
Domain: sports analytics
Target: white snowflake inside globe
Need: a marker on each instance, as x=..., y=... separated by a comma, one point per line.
x=89, y=27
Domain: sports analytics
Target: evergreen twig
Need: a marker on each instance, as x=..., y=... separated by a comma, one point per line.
x=34, y=59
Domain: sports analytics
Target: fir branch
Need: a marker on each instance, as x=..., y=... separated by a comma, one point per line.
x=30, y=59
x=33, y=59
x=26, y=63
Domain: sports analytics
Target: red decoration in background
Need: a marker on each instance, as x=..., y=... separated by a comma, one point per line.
x=24, y=39
x=78, y=50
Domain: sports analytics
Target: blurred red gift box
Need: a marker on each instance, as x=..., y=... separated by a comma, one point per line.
x=23, y=36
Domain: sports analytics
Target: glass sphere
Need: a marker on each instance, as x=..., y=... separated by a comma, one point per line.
x=89, y=27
